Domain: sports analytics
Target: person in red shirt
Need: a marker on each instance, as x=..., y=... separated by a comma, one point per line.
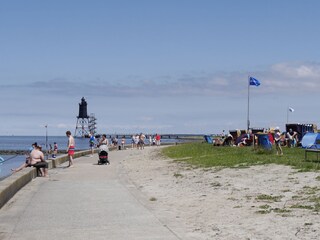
x=158, y=137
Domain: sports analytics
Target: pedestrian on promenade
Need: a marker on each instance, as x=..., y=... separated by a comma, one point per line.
x=136, y=141
x=91, y=143
x=158, y=138
x=103, y=143
x=123, y=141
x=70, y=148
x=141, y=141
x=133, y=141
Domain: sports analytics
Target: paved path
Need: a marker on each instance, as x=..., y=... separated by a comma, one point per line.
x=84, y=202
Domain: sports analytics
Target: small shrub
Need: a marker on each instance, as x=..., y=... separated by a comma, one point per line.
x=266, y=206
x=215, y=184
x=268, y=198
x=281, y=210
x=263, y=211
x=177, y=175
x=302, y=206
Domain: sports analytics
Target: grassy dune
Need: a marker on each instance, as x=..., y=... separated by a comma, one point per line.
x=206, y=155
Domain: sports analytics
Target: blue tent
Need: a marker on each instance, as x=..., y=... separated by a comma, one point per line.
x=263, y=141
x=311, y=140
x=208, y=139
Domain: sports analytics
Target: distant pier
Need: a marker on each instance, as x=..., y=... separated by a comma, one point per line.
x=163, y=136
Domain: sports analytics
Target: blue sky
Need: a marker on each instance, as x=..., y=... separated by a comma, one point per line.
x=169, y=66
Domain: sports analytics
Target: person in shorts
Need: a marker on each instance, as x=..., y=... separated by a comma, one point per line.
x=70, y=148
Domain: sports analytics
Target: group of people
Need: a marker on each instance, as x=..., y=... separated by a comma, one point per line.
x=137, y=141
x=35, y=157
x=288, y=139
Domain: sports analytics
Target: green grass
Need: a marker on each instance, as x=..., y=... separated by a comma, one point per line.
x=206, y=155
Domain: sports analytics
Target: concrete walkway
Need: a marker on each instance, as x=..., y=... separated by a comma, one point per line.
x=84, y=202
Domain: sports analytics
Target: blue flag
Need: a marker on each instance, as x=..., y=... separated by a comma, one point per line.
x=254, y=82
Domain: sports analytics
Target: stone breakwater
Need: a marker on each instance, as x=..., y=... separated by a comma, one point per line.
x=22, y=152
x=12, y=152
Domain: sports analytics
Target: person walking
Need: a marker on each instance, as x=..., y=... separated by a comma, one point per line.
x=133, y=139
x=158, y=138
x=277, y=138
x=141, y=141
x=91, y=143
x=103, y=144
x=123, y=142
x=70, y=148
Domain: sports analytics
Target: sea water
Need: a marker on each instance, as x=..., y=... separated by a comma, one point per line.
x=9, y=162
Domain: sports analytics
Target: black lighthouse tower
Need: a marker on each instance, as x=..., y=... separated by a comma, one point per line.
x=82, y=126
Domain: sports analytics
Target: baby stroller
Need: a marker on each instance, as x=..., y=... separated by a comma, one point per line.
x=103, y=157
x=103, y=154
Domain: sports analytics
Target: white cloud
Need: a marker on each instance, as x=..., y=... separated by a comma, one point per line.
x=297, y=70
x=280, y=77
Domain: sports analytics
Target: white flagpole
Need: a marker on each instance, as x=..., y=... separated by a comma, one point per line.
x=248, y=120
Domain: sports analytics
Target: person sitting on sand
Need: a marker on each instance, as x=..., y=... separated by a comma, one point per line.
x=228, y=140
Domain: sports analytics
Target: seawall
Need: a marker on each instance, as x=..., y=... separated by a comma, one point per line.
x=12, y=184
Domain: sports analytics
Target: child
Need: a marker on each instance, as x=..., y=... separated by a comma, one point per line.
x=277, y=137
x=55, y=150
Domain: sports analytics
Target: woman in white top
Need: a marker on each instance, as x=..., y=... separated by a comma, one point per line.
x=103, y=143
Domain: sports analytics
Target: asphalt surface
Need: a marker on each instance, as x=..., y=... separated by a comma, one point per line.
x=88, y=201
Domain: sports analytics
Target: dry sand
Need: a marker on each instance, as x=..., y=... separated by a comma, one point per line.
x=229, y=203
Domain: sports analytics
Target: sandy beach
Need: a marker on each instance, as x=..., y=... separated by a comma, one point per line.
x=260, y=202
